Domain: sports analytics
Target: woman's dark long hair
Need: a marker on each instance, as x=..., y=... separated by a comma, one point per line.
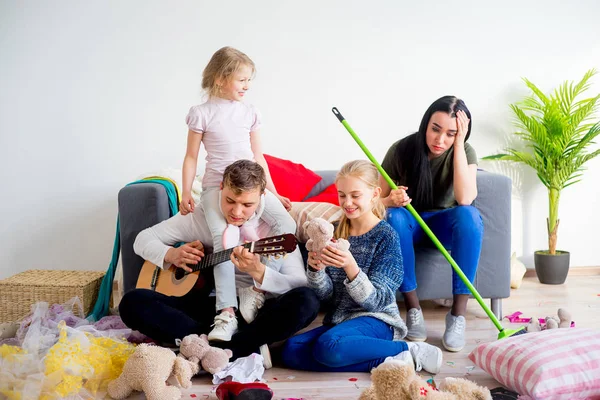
x=412, y=153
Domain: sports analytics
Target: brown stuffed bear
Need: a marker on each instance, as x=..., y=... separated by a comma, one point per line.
x=563, y=321
x=196, y=349
x=396, y=379
x=148, y=370
x=320, y=233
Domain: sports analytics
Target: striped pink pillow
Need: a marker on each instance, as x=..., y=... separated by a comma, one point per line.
x=551, y=364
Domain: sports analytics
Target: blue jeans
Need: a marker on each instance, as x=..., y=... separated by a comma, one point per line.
x=357, y=345
x=459, y=229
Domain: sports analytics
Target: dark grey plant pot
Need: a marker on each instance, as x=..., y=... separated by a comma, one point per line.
x=552, y=270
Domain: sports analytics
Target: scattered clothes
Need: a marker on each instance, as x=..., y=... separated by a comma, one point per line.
x=243, y=370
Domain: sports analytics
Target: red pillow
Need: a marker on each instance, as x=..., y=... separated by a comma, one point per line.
x=291, y=180
x=329, y=195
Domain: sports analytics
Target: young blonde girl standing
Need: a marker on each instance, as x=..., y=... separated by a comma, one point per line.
x=362, y=326
x=230, y=131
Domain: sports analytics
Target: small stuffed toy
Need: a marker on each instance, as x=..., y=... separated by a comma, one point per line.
x=517, y=272
x=8, y=330
x=552, y=322
x=563, y=320
x=320, y=234
x=396, y=379
x=197, y=349
x=148, y=369
x=533, y=325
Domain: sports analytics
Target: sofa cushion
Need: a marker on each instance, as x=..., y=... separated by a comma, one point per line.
x=291, y=180
x=329, y=195
x=551, y=364
x=328, y=177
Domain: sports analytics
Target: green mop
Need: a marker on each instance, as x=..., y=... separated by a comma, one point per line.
x=503, y=333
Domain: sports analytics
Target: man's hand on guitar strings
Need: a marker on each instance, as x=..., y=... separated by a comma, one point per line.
x=248, y=262
x=189, y=253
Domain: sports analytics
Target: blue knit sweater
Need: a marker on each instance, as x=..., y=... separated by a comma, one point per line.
x=373, y=291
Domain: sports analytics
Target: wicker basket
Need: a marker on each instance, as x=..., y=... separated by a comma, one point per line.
x=19, y=292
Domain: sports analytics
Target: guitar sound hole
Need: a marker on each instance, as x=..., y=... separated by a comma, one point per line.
x=179, y=273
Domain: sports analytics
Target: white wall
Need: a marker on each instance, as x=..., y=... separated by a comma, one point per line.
x=92, y=94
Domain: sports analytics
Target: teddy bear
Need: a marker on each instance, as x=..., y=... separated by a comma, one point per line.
x=396, y=379
x=197, y=349
x=517, y=272
x=563, y=321
x=148, y=369
x=8, y=330
x=320, y=233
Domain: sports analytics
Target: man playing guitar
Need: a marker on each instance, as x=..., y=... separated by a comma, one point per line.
x=289, y=307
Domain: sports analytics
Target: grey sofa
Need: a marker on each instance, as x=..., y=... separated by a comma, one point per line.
x=145, y=204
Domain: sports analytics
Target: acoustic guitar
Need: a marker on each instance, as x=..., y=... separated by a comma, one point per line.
x=174, y=281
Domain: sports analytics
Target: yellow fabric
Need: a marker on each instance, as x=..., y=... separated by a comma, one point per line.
x=167, y=179
x=78, y=363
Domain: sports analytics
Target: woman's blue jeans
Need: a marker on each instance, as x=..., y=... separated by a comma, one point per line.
x=356, y=345
x=459, y=229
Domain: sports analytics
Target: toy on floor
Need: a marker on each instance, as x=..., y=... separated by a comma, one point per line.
x=197, y=349
x=8, y=330
x=148, y=369
x=396, y=379
x=517, y=272
x=244, y=391
x=320, y=234
x=551, y=322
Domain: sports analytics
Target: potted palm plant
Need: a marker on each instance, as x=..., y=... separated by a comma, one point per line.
x=557, y=130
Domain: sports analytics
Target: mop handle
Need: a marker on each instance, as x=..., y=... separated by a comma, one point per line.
x=422, y=223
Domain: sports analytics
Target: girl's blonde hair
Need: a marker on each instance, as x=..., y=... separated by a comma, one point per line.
x=366, y=172
x=222, y=65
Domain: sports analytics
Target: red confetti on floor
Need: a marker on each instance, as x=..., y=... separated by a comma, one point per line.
x=193, y=395
x=353, y=379
x=274, y=379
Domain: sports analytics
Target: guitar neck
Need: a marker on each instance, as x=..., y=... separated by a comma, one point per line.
x=216, y=258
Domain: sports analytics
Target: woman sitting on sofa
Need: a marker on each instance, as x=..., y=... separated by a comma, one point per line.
x=363, y=325
x=435, y=170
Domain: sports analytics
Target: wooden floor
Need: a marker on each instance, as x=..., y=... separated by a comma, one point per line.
x=580, y=295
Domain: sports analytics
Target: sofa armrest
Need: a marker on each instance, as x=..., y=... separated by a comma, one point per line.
x=141, y=206
x=494, y=203
x=493, y=273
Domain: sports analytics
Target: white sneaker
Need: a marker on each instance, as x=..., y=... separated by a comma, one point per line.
x=425, y=356
x=417, y=332
x=225, y=327
x=250, y=302
x=266, y=355
x=454, y=335
x=405, y=357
